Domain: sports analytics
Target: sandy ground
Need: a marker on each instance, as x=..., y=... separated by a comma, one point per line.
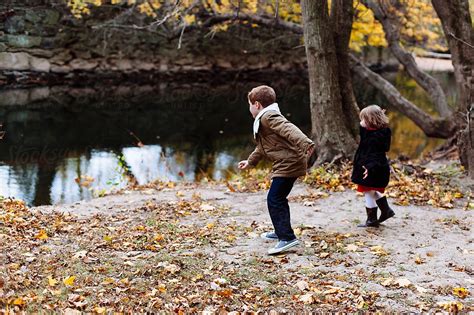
x=413, y=261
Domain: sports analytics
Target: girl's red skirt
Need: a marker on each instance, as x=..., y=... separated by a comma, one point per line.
x=361, y=188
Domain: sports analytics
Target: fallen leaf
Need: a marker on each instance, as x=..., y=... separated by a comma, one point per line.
x=69, y=280
x=19, y=301
x=323, y=244
x=108, y=281
x=162, y=288
x=52, y=282
x=421, y=289
x=418, y=260
x=387, y=282
x=210, y=225
x=352, y=247
x=461, y=292
x=379, y=250
x=323, y=255
x=307, y=298
x=100, y=310
x=172, y=268
x=230, y=187
x=42, y=235
x=227, y=293
x=402, y=282
x=302, y=285
x=451, y=306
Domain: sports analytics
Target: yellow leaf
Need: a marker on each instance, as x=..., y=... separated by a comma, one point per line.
x=461, y=292
x=108, y=281
x=125, y=281
x=69, y=280
x=99, y=310
x=189, y=19
x=418, y=260
x=19, y=301
x=52, y=282
x=452, y=306
x=210, y=225
x=141, y=228
x=159, y=237
x=41, y=235
x=162, y=288
x=379, y=250
x=107, y=238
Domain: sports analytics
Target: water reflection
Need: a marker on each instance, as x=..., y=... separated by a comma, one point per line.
x=189, y=131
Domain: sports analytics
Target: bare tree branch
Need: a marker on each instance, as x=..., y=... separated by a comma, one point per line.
x=257, y=19
x=432, y=127
x=459, y=39
x=426, y=81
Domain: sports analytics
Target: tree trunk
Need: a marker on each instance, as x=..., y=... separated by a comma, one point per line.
x=332, y=137
x=457, y=26
x=342, y=13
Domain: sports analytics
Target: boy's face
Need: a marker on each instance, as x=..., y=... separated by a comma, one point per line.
x=255, y=108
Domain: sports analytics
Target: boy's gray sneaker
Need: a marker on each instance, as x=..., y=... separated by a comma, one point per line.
x=269, y=236
x=283, y=246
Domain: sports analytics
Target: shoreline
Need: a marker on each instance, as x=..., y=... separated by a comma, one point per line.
x=15, y=79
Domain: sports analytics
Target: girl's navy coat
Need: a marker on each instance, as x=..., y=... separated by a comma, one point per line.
x=371, y=154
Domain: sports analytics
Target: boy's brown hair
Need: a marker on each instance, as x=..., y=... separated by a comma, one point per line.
x=263, y=94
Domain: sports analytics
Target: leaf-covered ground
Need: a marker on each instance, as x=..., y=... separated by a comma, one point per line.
x=196, y=247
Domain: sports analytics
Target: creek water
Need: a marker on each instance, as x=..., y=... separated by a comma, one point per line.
x=169, y=131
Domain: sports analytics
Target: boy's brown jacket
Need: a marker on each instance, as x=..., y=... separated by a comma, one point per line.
x=283, y=143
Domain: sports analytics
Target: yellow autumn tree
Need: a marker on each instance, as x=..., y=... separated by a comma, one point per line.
x=418, y=21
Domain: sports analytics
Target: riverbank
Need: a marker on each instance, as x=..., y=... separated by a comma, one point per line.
x=196, y=247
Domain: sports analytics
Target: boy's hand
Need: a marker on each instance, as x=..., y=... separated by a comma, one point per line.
x=243, y=165
x=366, y=172
x=310, y=150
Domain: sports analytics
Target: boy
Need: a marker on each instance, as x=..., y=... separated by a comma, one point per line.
x=288, y=148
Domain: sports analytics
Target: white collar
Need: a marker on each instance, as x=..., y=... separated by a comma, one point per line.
x=256, y=123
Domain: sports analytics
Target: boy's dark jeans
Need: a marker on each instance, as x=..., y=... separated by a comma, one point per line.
x=279, y=208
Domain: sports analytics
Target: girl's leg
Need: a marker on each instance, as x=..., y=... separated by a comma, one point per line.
x=370, y=199
x=371, y=208
x=382, y=203
x=378, y=195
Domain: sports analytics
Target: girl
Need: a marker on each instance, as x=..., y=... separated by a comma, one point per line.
x=371, y=169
